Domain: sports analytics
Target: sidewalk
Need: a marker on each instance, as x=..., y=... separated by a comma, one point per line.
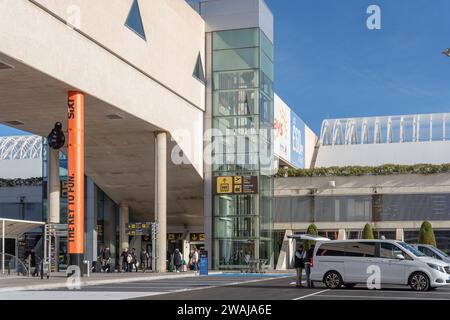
x=58, y=280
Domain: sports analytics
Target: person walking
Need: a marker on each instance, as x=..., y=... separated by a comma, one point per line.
x=34, y=263
x=195, y=260
x=299, y=263
x=308, y=261
x=177, y=260
x=124, y=256
x=106, y=260
x=134, y=260
x=144, y=259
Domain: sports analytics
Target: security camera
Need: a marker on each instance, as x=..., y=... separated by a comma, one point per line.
x=56, y=138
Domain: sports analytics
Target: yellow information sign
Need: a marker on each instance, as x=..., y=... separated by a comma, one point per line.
x=236, y=185
x=224, y=185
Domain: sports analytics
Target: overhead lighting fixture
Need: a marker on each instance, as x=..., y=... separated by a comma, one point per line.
x=114, y=117
x=4, y=66
x=15, y=123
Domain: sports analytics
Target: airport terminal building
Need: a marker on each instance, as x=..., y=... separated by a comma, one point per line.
x=171, y=120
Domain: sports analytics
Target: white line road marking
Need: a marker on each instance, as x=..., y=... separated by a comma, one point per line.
x=294, y=282
x=312, y=294
x=113, y=295
x=73, y=295
x=394, y=291
x=377, y=297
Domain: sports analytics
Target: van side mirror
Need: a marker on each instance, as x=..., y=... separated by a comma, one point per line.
x=400, y=257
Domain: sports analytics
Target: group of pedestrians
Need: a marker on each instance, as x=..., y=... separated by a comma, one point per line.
x=180, y=264
x=303, y=260
x=131, y=263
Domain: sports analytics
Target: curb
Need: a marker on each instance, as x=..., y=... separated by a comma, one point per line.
x=98, y=282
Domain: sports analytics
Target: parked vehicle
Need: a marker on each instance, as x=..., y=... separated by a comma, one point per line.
x=350, y=262
x=433, y=252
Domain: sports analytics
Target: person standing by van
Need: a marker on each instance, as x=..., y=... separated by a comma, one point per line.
x=299, y=264
x=308, y=261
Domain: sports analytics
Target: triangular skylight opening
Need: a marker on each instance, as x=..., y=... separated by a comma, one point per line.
x=199, y=73
x=134, y=20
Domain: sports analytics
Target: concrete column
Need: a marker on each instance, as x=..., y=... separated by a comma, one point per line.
x=342, y=235
x=124, y=218
x=54, y=186
x=161, y=199
x=400, y=234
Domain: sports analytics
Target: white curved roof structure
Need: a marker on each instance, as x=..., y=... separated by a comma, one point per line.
x=20, y=147
x=389, y=129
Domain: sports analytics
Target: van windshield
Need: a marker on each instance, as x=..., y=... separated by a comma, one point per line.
x=411, y=249
x=441, y=252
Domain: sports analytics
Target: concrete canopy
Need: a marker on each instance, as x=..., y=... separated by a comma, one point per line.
x=119, y=152
x=132, y=89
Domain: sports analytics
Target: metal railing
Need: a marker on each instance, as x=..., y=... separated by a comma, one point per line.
x=12, y=266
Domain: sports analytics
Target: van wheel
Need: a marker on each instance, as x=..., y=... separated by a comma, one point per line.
x=419, y=281
x=333, y=280
x=349, y=285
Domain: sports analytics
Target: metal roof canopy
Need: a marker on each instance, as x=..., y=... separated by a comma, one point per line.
x=15, y=228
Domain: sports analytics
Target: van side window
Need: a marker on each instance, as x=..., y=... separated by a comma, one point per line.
x=331, y=249
x=360, y=249
x=389, y=251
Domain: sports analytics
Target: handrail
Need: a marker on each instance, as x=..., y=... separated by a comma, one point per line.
x=14, y=264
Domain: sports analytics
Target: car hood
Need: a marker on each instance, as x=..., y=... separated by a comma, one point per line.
x=433, y=261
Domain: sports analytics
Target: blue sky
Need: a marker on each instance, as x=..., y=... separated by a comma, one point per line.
x=330, y=65
x=8, y=131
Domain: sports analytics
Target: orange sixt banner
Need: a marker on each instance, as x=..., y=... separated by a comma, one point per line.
x=75, y=179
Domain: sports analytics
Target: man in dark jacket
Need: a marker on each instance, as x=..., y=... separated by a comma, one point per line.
x=299, y=263
x=177, y=260
x=106, y=260
x=308, y=262
x=124, y=256
x=144, y=259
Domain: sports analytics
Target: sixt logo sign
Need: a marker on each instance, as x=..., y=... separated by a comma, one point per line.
x=71, y=109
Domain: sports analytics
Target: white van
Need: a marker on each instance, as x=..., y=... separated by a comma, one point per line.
x=350, y=262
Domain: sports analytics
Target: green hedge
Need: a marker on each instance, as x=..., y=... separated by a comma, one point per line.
x=426, y=234
x=387, y=169
x=31, y=182
x=368, y=232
